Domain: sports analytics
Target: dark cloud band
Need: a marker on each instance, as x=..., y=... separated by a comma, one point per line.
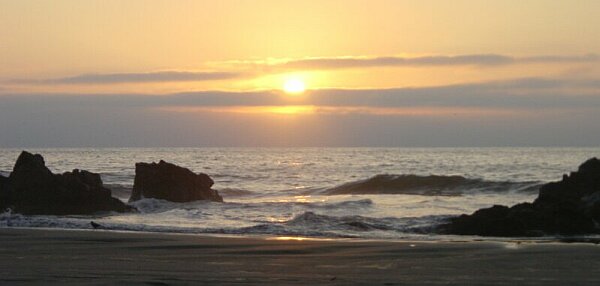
x=476, y=60
x=534, y=93
x=113, y=78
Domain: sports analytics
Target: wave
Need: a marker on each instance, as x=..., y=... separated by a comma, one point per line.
x=313, y=224
x=233, y=192
x=428, y=185
x=123, y=191
x=364, y=203
x=150, y=206
x=309, y=224
x=223, y=177
x=273, y=205
x=120, y=191
x=189, y=209
x=360, y=223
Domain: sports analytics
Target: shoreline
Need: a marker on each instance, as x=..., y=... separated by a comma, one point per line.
x=53, y=256
x=442, y=238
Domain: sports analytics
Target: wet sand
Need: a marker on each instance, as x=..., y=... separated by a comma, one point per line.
x=38, y=256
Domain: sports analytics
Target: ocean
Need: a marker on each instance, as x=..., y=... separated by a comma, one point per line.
x=366, y=193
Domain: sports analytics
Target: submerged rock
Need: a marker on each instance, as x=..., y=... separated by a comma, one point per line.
x=567, y=207
x=33, y=189
x=170, y=182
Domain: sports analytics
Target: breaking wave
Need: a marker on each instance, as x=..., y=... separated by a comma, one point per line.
x=308, y=224
x=149, y=205
x=120, y=191
x=314, y=224
x=233, y=192
x=428, y=185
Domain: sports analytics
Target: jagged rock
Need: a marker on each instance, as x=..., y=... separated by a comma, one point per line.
x=568, y=207
x=32, y=188
x=170, y=182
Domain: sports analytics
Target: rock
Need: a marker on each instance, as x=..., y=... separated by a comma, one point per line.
x=33, y=189
x=3, y=181
x=3, y=192
x=567, y=207
x=170, y=182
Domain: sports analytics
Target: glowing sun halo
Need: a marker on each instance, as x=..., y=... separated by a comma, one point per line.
x=294, y=86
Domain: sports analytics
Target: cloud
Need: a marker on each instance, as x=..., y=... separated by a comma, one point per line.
x=524, y=112
x=530, y=93
x=325, y=63
x=239, y=69
x=354, y=110
x=161, y=76
x=525, y=93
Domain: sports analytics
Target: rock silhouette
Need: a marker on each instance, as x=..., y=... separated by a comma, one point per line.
x=170, y=182
x=33, y=189
x=567, y=207
x=3, y=191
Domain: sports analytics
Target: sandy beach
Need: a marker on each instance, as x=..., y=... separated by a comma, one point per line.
x=41, y=256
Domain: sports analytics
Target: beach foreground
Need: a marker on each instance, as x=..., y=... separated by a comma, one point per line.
x=41, y=256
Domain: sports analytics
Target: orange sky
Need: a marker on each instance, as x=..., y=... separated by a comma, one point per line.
x=45, y=40
x=394, y=70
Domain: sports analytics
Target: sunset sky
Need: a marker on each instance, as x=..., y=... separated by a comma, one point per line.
x=299, y=73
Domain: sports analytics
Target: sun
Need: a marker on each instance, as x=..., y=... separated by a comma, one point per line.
x=294, y=86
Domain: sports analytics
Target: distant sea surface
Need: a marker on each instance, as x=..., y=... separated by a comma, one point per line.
x=371, y=193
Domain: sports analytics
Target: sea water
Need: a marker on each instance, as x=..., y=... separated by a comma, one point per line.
x=371, y=193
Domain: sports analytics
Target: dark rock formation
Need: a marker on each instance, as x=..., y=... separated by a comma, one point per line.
x=568, y=207
x=3, y=191
x=33, y=189
x=3, y=181
x=170, y=182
